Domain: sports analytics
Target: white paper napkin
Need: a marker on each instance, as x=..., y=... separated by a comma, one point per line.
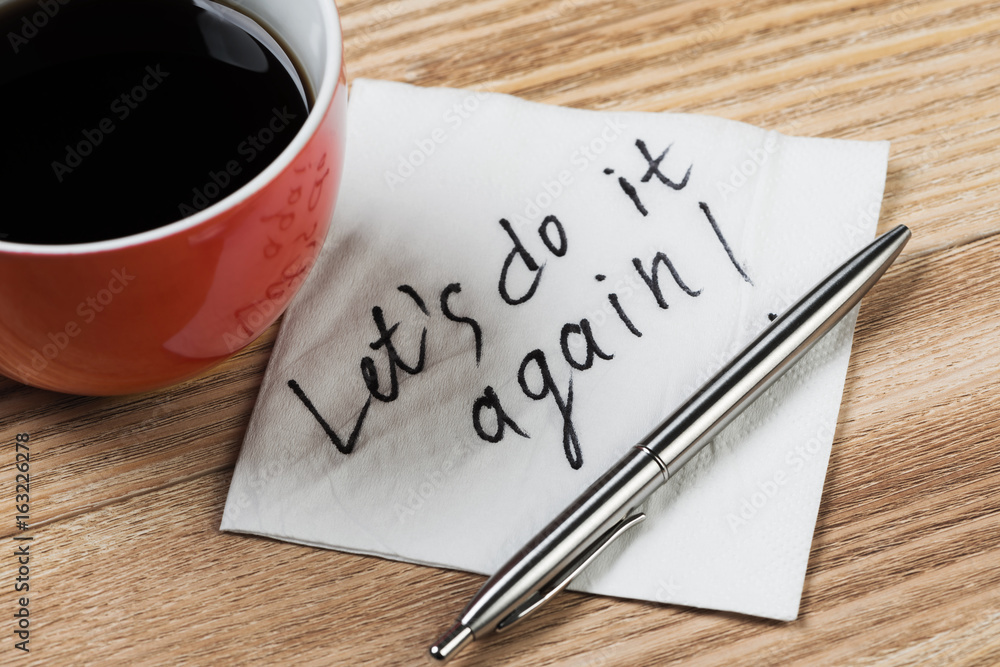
x=445, y=380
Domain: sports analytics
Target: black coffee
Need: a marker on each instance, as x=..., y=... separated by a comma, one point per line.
x=120, y=116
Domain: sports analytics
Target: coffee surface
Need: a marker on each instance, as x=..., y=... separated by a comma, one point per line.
x=120, y=116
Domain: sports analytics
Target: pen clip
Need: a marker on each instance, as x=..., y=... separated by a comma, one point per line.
x=563, y=579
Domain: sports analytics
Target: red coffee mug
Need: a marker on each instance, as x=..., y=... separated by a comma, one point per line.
x=148, y=310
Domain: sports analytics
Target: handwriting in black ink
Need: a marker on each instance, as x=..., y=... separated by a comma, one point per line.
x=370, y=373
x=526, y=258
x=477, y=331
x=578, y=343
x=652, y=169
x=616, y=304
x=629, y=190
x=652, y=279
x=722, y=240
x=490, y=401
x=519, y=251
x=412, y=293
x=592, y=349
x=334, y=438
x=571, y=443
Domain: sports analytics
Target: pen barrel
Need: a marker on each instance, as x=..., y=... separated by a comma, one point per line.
x=681, y=435
x=602, y=512
x=605, y=503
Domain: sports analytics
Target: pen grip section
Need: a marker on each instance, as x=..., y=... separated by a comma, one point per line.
x=566, y=577
x=548, y=557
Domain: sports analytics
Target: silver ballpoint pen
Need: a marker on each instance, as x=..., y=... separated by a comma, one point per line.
x=608, y=508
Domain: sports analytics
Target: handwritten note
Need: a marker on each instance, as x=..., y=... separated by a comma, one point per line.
x=512, y=295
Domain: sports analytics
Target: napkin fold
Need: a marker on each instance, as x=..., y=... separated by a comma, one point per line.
x=511, y=295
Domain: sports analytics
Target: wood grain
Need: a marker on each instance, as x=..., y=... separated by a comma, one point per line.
x=129, y=566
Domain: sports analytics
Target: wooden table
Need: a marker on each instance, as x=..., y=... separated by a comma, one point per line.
x=129, y=567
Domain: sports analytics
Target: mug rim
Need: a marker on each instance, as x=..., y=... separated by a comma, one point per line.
x=324, y=99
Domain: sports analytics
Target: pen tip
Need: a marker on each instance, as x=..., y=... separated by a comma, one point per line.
x=451, y=642
x=891, y=243
x=901, y=230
